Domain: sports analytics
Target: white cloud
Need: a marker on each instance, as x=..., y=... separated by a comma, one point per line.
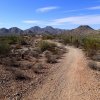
x=75, y=10
x=73, y=20
x=89, y=8
x=83, y=20
x=35, y=22
x=94, y=8
x=46, y=9
x=31, y=21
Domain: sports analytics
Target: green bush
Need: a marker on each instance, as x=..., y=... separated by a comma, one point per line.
x=44, y=45
x=91, y=45
x=4, y=48
x=13, y=39
x=48, y=36
x=23, y=42
x=67, y=39
x=10, y=39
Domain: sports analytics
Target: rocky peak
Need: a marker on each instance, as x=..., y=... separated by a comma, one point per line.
x=85, y=27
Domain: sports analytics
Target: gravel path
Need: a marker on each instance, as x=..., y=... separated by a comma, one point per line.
x=72, y=80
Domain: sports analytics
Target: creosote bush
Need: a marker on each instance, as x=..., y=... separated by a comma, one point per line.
x=44, y=45
x=13, y=39
x=39, y=69
x=90, y=43
x=4, y=48
x=48, y=36
x=50, y=58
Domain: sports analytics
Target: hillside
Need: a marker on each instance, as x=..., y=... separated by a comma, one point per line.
x=32, y=30
x=32, y=68
x=81, y=30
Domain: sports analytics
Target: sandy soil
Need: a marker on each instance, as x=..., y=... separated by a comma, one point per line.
x=72, y=79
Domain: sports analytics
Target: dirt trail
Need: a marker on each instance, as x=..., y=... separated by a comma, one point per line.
x=72, y=80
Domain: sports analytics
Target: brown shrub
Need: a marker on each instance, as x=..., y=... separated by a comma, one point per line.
x=93, y=65
x=50, y=58
x=39, y=69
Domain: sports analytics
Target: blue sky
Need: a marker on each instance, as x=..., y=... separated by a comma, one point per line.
x=65, y=14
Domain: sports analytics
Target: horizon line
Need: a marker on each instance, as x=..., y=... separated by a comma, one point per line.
x=49, y=26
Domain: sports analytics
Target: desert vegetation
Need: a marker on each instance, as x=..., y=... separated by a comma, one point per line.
x=88, y=43
x=25, y=59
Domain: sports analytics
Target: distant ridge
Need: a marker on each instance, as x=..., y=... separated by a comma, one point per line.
x=83, y=29
x=10, y=31
x=15, y=30
x=47, y=29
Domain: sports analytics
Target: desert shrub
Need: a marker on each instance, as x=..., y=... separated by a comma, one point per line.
x=50, y=58
x=48, y=36
x=18, y=46
x=13, y=39
x=44, y=45
x=21, y=77
x=65, y=40
x=23, y=42
x=4, y=48
x=10, y=39
x=59, y=51
x=93, y=65
x=68, y=39
x=91, y=45
x=35, y=54
x=39, y=69
x=96, y=57
x=37, y=49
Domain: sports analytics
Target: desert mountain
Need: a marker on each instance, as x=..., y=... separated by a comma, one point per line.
x=83, y=29
x=4, y=31
x=11, y=31
x=47, y=29
x=15, y=30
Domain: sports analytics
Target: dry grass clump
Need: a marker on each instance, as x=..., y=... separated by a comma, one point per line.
x=51, y=51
